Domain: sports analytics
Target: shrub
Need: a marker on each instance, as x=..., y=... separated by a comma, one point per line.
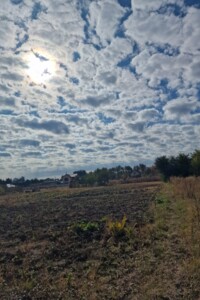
x=117, y=228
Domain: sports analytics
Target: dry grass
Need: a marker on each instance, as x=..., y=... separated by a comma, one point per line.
x=187, y=194
x=189, y=190
x=79, y=246
x=177, y=230
x=169, y=258
x=2, y=190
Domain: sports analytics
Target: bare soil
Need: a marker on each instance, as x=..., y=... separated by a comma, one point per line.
x=56, y=244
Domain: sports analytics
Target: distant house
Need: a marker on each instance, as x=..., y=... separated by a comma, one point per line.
x=10, y=186
x=65, y=179
x=69, y=180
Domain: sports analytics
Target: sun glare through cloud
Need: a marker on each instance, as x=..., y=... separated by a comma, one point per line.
x=41, y=67
x=87, y=83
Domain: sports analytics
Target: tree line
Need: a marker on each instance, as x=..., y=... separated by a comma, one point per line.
x=182, y=165
x=100, y=176
x=104, y=175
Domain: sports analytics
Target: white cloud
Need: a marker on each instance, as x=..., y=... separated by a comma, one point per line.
x=145, y=27
x=125, y=87
x=153, y=4
x=104, y=18
x=180, y=109
x=190, y=32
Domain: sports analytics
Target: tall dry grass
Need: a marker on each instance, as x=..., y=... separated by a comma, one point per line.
x=188, y=189
x=187, y=192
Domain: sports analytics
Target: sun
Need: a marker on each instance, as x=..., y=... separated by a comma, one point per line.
x=41, y=67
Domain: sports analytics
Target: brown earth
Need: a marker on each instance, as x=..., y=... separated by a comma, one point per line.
x=58, y=244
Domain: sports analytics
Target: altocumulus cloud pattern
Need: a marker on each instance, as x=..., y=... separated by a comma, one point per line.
x=94, y=82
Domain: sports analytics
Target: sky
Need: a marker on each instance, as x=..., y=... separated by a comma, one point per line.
x=93, y=83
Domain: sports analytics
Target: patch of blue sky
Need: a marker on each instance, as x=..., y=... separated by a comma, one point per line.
x=37, y=9
x=17, y=94
x=21, y=24
x=97, y=47
x=118, y=95
x=125, y=3
x=125, y=62
x=196, y=111
x=166, y=49
x=7, y=112
x=22, y=41
x=198, y=92
x=65, y=106
x=39, y=56
x=76, y=56
x=88, y=31
x=136, y=49
x=150, y=124
x=167, y=122
x=71, y=110
x=171, y=93
x=195, y=3
x=16, y=1
x=34, y=113
x=63, y=66
x=104, y=119
x=172, y=8
x=61, y=101
x=120, y=32
x=74, y=80
x=163, y=87
x=84, y=13
x=132, y=70
x=4, y=154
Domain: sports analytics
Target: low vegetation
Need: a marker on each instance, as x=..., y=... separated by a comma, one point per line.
x=118, y=228
x=131, y=242
x=85, y=228
x=187, y=191
x=182, y=165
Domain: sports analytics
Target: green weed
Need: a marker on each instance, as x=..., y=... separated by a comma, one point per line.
x=117, y=229
x=85, y=227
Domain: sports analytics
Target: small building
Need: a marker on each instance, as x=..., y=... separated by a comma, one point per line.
x=69, y=180
x=65, y=179
x=10, y=186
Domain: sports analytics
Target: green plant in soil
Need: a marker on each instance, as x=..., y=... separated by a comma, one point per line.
x=117, y=228
x=85, y=227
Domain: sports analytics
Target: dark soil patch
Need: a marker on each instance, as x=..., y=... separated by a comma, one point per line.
x=44, y=256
